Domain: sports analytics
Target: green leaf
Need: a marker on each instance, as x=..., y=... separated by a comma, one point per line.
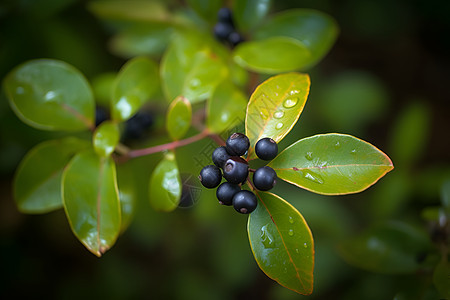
x=50, y=95
x=249, y=13
x=282, y=243
x=441, y=278
x=178, y=118
x=136, y=82
x=275, y=107
x=105, y=138
x=207, y=9
x=272, y=55
x=315, y=30
x=192, y=67
x=165, y=185
x=126, y=179
x=37, y=183
x=390, y=247
x=225, y=108
x=331, y=164
x=102, y=86
x=91, y=200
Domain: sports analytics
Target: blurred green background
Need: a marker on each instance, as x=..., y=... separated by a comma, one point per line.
x=385, y=81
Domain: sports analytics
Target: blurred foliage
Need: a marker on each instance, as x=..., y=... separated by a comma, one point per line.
x=382, y=82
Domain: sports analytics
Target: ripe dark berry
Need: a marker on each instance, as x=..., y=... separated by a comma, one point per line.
x=266, y=149
x=235, y=170
x=264, y=178
x=210, y=176
x=136, y=126
x=237, y=144
x=226, y=191
x=245, y=202
x=220, y=156
x=235, y=38
x=101, y=115
x=224, y=15
x=222, y=31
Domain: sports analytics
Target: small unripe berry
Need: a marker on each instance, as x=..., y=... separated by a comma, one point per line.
x=266, y=149
x=244, y=202
x=235, y=170
x=226, y=191
x=220, y=156
x=237, y=144
x=264, y=178
x=210, y=176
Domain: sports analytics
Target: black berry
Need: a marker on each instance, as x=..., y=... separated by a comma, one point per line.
x=210, y=176
x=244, y=202
x=226, y=191
x=136, y=126
x=235, y=38
x=223, y=30
x=224, y=15
x=266, y=149
x=101, y=115
x=220, y=156
x=235, y=170
x=237, y=144
x=264, y=178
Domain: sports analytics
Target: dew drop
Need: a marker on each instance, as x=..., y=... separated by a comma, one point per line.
x=263, y=115
x=290, y=102
x=305, y=245
x=279, y=125
x=291, y=232
x=266, y=237
x=337, y=145
x=294, y=92
x=313, y=177
x=50, y=96
x=309, y=156
x=296, y=250
x=278, y=114
x=353, y=151
x=291, y=220
x=20, y=90
x=195, y=82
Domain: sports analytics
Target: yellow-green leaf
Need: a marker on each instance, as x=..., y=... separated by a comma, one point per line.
x=178, y=119
x=165, y=185
x=275, y=107
x=282, y=243
x=105, y=138
x=91, y=200
x=331, y=164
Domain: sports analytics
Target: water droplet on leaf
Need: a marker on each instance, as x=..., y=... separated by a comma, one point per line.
x=337, y=145
x=309, y=156
x=294, y=92
x=353, y=151
x=291, y=220
x=266, y=237
x=290, y=102
x=279, y=125
x=291, y=232
x=311, y=176
x=263, y=115
x=278, y=114
x=195, y=82
x=305, y=245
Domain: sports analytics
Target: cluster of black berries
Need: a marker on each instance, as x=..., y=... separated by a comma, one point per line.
x=235, y=170
x=224, y=29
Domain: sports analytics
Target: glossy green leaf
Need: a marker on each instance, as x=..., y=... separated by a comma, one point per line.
x=105, y=138
x=37, y=183
x=315, y=30
x=91, y=200
x=275, y=107
x=133, y=10
x=331, y=164
x=165, y=185
x=207, y=9
x=178, y=119
x=135, y=84
x=226, y=107
x=192, y=67
x=272, y=55
x=142, y=39
x=249, y=13
x=50, y=95
x=102, y=85
x=282, y=243
x=441, y=278
x=390, y=247
x=126, y=180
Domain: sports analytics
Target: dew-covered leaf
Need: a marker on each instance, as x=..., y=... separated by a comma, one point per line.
x=272, y=55
x=135, y=84
x=50, y=95
x=178, y=119
x=282, y=243
x=331, y=164
x=192, y=67
x=165, y=185
x=316, y=30
x=37, y=183
x=249, y=13
x=91, y=200
x=226, y=107
x=275, y=107
x=390, y=247
x=105, y=138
